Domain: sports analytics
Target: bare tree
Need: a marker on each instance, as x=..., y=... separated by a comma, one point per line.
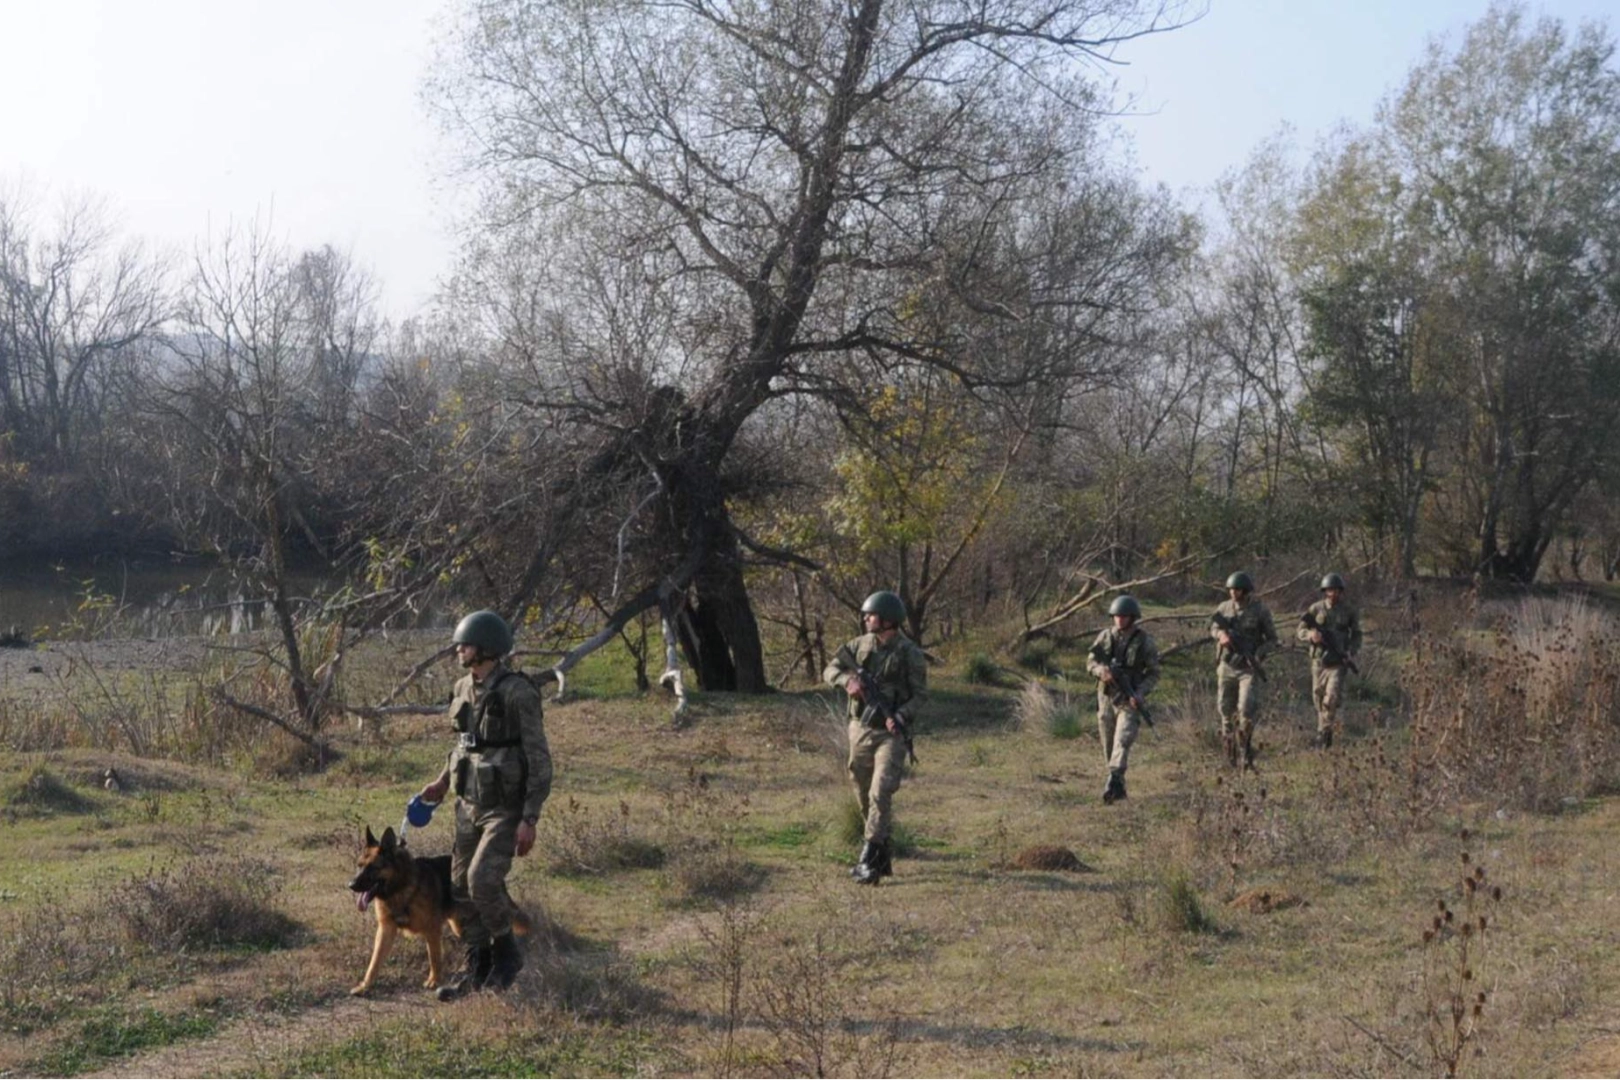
x=73, y=301
x=779, y=185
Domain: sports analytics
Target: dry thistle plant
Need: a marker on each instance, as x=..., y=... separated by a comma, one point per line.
x=1368, y=791
x=1454, y=949
x=1238, y=823
x=812, y=1003
x=724, y=963
x=706, y=861
x=1527, y=716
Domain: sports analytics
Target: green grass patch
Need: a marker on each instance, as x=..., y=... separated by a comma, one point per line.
x=849, y=829
x=1063, y=722
x=784, y=837
x=412, y=1048
x=116, y=1033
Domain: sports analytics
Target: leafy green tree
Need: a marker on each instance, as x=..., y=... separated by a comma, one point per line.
x=1502, y=160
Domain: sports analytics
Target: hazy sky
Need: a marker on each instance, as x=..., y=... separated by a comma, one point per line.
x=188, y=115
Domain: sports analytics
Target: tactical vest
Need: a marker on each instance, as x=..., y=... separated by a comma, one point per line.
x=489, y=768
x=892, y=673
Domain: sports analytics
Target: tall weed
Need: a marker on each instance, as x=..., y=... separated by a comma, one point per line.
x=1527, y=716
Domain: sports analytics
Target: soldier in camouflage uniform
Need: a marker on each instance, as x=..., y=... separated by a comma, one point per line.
x=500, y=771
x=1236, y=675
x=1342, y=624
x=876, y=748
x=1129, y=649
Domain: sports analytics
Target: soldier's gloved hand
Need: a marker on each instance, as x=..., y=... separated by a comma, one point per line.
x=525, y=838
x=1316, y=637
x=1225, y=639
x=1108, y=677
x=853, y=689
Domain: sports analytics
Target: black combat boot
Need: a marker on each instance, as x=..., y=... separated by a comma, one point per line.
x=1229, y=746
x=1324, y=738
x=474, y=970
x=885, y=859
x=868, y=853
x=1115, y=791
x=1250, y=751
x=507, y=962
x=870, y=869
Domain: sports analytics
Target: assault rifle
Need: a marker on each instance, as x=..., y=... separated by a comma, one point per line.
x=1242, y=646
x=1334, y=653
x=877, y=708
x=1124, y=685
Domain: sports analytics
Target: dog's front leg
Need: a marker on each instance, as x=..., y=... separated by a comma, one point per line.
x=434, y=936
x=386, y=933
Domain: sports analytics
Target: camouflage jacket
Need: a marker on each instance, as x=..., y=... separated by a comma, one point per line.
x=1134, y=650
x=501, y=760
x=1341, y=618
x=1252, y=622
x=900, y=667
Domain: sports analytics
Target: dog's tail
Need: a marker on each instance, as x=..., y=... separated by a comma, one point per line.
x=522, y=925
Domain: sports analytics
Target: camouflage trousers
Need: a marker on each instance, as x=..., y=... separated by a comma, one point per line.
x=1118, y=726
x=1237, y=694
x=480, y=858
x=876, y=761
x=1327, y=691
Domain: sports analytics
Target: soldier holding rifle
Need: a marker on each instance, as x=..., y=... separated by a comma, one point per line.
x=1126, y=663
x=1244, y=633
x=885, y=675
x=1332, y=628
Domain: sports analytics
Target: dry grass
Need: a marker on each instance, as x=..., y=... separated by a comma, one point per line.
x=954, y=966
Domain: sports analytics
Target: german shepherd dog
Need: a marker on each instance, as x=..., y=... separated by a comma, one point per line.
x=412, y=894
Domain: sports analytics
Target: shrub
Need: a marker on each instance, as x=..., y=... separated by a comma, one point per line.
x=1036, y=655
x=42, y=793
x=48, y=961
x=580, y=842
x=1181, y=907
x=207, y=903
x=703, y=825
x=1038, y=709
x=981, y=670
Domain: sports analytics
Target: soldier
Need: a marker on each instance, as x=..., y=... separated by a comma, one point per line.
x=1332, y=628
x=1243, y=633
x=500, y=771
x=877, y=745
x=1126, y=663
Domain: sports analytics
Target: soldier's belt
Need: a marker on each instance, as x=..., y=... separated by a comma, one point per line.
x=469, y=742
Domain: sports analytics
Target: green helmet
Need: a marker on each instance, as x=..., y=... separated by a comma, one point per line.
x=886, y=606
x=1125, y=605
x=487, y=632
x=1331, y=581
x=1240, y=580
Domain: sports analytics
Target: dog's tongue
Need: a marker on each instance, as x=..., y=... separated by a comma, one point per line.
x=363, y=900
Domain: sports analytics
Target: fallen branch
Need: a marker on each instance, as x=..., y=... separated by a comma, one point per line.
x=1094, y=588
x=262, y=713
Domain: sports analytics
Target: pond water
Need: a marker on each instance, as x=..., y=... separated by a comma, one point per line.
x=132, y=597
